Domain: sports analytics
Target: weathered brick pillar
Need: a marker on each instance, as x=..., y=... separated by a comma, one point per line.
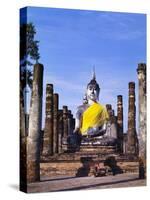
x=48, y=131
x=142, y=119
x=69, y=119
x=35, y=121
x=55, y=123
x=73, y=123
x=131, y=133
x=113, y=113
x=65, y=121
x=109, y=110
x=60, y=130
x=112, y=125
x=120, y=122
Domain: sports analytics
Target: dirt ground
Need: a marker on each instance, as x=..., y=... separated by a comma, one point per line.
x=55, y=184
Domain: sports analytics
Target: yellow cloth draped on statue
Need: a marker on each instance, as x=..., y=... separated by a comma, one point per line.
x=94, y=116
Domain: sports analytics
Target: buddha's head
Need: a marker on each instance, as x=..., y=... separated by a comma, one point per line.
x=93, y=89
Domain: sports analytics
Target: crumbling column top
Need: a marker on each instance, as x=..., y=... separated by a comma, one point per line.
x=119, y=97
x=132, y=85
x=141, y=68
x=65, y=108
x=56, y=94
x=108, y=106
x=69, y=111
x=49, y=85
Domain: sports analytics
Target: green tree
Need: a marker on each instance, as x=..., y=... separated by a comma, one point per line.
x=29, y=55
x=29, y=52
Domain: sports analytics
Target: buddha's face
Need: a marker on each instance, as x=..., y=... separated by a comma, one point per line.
x=92, y=92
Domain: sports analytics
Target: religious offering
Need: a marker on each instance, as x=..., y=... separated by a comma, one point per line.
x=82, y=99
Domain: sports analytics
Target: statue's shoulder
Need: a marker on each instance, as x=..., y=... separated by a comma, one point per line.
x=100, y=105
x=104, y=111
x=81, y=109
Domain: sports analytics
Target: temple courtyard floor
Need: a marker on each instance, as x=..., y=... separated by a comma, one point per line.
x=85, y=183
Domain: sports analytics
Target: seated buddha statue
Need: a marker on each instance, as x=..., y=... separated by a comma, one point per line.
x=92, y=117
x=92, y=123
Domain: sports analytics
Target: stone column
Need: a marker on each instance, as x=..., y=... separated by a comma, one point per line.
x=41, y=142
x=120, y=122
x=113, y=125
x=60, y=130
x=48, y=131
x=55, y=123
x=35, y=121
x=142, y=119
x=113, y=113
x=131, y=133
x=69, y=119
x=65, y=122
x=109, y=110
x=73, y=123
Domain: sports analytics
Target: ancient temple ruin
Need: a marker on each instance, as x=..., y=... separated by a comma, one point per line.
x=50, y=152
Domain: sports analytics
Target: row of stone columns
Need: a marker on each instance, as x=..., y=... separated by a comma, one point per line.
x=58, y=123
x=131, y=143
x=116, y=127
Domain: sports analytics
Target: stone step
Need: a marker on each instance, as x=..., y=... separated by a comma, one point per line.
x=66, y=157
x=85, y=150
x=84, y=165
x=74, y=156
x=90, y=147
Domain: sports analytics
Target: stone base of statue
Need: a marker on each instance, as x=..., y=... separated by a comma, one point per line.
x=80, y=156
x=100, y=140
x=76, y=142
x=83, y=162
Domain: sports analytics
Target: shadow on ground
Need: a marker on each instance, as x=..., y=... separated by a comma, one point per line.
x=112, y=164
x=14, y=186
x=85, y=169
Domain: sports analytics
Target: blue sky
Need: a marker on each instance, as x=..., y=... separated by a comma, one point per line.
x=72, y=41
